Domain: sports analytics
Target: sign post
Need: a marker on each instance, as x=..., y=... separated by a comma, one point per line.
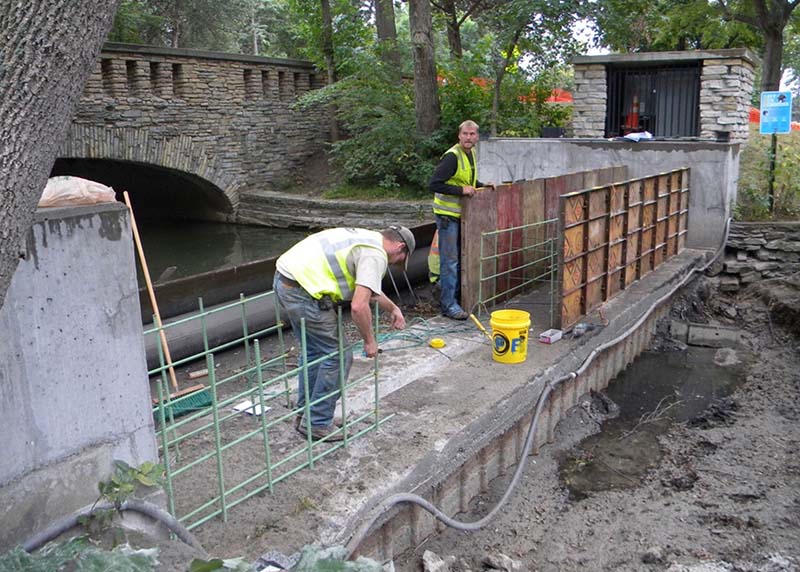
x=776, y=117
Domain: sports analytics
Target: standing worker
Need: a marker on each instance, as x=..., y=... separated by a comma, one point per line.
x=455, y=177
x=311, y=280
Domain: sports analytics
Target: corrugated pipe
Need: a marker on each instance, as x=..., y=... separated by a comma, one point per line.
x=391, y=501
x=143, y=507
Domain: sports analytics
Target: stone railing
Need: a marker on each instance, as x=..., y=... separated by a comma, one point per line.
x=757, y=251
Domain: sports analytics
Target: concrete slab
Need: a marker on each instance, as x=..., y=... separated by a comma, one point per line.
x=449, y=408
x=713, y=336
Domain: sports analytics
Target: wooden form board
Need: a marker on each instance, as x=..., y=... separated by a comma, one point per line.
x=616, y=233
x=510, y=206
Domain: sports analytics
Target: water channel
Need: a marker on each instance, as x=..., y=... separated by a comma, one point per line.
x=194, y=247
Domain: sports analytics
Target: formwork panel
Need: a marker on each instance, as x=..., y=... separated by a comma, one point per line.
x=598, y=233
x=598, y=202
x=622, y=231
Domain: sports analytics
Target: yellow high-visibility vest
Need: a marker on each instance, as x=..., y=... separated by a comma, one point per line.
x=319, y=262
x=450, y=205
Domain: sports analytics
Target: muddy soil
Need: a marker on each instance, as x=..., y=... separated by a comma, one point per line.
x=720, y=491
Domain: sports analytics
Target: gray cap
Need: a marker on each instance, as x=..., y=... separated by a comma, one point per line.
x=408, y=239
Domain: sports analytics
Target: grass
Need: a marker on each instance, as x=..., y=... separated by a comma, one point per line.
x=752, y=202
x=376, y=193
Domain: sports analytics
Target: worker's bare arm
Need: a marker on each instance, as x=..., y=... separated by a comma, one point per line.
x=398, y=320
x=361, y=314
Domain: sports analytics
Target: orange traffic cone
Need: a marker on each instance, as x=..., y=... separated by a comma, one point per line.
x=632, y=119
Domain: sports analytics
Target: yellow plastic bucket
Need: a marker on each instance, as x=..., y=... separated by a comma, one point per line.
x=510, y=335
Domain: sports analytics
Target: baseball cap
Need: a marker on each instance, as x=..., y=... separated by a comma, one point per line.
x=408, y=239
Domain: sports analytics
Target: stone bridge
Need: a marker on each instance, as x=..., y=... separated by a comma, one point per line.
x=189, y=132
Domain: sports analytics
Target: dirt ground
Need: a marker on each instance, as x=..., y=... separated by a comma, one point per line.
x=723, y=496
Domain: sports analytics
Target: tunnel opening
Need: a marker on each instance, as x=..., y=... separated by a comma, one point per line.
x=156, y=192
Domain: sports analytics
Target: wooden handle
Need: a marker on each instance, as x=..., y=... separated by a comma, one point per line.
x=173, y=380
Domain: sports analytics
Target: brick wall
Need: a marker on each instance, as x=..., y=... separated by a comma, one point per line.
x=725, y=89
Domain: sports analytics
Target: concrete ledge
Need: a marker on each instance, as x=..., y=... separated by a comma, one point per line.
x=457, y=425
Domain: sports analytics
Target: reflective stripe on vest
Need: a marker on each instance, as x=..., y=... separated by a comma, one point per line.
x=319, y=262
x=450, y=205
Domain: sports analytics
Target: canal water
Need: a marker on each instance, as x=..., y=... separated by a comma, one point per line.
x=193, y=247
x=656, y=390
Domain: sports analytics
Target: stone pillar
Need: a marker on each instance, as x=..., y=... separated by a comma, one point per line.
x=726, y=86
x=590, y=98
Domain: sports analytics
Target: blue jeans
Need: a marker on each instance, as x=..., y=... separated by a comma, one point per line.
x=321, y=340
x=449, y=256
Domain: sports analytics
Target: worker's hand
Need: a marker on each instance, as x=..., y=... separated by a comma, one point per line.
x=371, y=348
x=490, y=186
x=468, y=191
x=398, y=320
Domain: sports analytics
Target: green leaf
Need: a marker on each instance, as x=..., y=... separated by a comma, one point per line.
x=200, y=565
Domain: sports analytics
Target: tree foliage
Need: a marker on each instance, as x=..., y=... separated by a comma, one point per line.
x=645, y=26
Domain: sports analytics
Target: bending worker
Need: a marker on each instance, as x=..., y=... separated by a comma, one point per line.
x=454, y=177
x=311, y=280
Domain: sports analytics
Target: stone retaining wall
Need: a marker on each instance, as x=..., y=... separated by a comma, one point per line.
x=757, y=251
x=229, y=119
x=283, y=210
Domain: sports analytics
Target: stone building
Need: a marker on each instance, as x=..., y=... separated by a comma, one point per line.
x=691, y=95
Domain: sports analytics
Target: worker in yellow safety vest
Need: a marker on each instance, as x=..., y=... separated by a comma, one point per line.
x=311, y=281
x=454, y=178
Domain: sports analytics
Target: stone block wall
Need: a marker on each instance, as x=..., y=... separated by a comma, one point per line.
x=227, y=118
x=590, y=98
x=726, y=84
x=757, y=251
x=725, y=89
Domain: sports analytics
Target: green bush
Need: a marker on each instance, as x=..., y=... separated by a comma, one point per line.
x=380, y=145
x=752, y=202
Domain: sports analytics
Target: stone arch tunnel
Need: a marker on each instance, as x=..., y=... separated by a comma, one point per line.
x=156, y=191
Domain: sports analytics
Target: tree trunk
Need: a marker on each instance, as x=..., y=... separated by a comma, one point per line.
x=773, y=56
x=387, y=35
x=453, y=29
x=426, y=94
x=330, y=61
x=49, y=48
x=499, y=75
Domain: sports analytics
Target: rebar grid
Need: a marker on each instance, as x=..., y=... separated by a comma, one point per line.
x=203, y=450
x=516, y=260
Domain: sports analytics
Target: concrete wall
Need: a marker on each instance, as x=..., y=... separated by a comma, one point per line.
x=714, y=170
x=74, y=394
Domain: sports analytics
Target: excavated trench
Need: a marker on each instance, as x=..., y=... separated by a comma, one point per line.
x=684, y=463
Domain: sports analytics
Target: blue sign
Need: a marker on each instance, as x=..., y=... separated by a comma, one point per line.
x=776, y=112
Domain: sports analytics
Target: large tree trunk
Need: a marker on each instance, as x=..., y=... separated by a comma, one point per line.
x=387, y=35
x=426, y=94
x=48, y=50
x=453, y=29
x=773, y=56
x=330, y=61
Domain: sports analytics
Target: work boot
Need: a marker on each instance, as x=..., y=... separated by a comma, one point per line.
x=329, y=434
x=458, y=314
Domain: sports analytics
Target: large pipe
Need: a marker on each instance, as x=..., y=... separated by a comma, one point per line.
x=225, y=323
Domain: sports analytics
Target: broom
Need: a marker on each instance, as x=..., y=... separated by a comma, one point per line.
x=181, y=401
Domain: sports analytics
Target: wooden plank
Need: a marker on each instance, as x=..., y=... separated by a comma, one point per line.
x=553, y=189
x=532, y=213
x=478, y=216
x=509, y=215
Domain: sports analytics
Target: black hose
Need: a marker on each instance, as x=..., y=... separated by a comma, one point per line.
x=147, y=508
x=396, y=499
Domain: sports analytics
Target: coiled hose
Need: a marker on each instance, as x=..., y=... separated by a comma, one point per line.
x=393, y=500
x=143, y=507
